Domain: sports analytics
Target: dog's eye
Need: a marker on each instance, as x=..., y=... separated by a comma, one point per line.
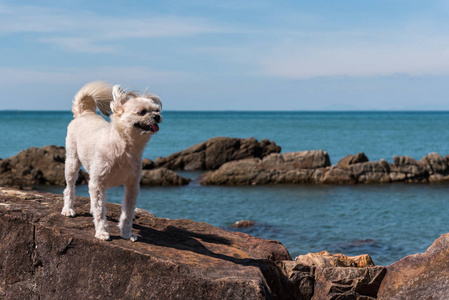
x=142, y=112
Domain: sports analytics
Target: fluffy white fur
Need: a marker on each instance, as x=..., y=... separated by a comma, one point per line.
x=111, y=152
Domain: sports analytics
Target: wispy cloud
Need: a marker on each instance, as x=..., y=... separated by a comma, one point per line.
x=286, y=48
x=91, y=32
x=133, y=76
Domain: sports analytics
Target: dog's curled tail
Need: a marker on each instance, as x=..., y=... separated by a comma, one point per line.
x=93, y=95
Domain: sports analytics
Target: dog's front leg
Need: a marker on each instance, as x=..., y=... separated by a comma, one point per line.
x=97, y=193
x=128, y=206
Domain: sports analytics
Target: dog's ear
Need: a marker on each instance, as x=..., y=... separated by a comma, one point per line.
x=157, y=100
x=118, y=99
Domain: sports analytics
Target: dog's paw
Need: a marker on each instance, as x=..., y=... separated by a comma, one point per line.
x=104, y=236
x=68, y=212
x=131, y=236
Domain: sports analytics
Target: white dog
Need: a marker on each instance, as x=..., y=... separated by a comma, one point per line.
x=111, y=152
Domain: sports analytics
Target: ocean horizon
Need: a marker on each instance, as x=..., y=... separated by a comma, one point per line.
x=387, y=221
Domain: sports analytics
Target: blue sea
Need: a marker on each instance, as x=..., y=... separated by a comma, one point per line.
x=387, y=221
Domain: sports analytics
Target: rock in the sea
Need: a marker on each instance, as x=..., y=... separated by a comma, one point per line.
x=338, y=175
x=414, y=170
x=147, y=164
x=435, y=163
x=35, y=166
x=162, y=177
x=314, y=167
x=44, y=255
x=352, y=159
x=287, y=168
x=419, y=276
x=437, y=166
x=213, y=153
x=243, y=224
x=45, y=166
x=371, y=172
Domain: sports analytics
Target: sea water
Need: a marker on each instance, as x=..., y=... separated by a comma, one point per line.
x=387, y=221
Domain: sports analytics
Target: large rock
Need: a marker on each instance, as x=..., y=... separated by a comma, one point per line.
x=213, y=153
x=287, y=168
x=352, y=159
x=313, y=167
x=371, y=172
x=324, y=259
x=348, y=283
x=44, y=255
x=35, y=166
x=414, y=171
x=419, y=276
x=45, y=166
x=162, y=177
x=437, y=166
x=338, y=175
x=322, y=275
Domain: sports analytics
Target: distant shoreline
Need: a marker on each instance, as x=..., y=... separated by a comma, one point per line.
x=255, y=111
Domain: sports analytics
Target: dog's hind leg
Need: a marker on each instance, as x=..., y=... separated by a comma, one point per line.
x=72, y=167
x=98, y=208
x=128, y=206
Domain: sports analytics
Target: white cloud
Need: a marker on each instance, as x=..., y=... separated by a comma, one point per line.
x=381, y=54
x=285, y=51
x=90, y=32
x=79, y=44
x=13, y=78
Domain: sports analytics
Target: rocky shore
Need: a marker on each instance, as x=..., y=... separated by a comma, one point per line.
x=313, y=167
x=44, y=255
x=234, y=161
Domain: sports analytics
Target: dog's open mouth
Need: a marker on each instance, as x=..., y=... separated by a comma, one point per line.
x=147, y=127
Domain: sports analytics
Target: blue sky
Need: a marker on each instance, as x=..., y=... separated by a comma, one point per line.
x=229, y=55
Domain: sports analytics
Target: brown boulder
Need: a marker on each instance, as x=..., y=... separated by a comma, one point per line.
x=45, y=166
x=419, y=276
x=147, y=164
x=352, y=159
x=213, y=153
x=348, y=283
x=324, y=275
x=338, y=175
x=436, y=164
x=325, y=259
x=243, y=224
x=35, y=166
x=371, y=172
x=162, y=177
x=44, y=255
x=287, y=168
x=413, y=170
x=295, y=160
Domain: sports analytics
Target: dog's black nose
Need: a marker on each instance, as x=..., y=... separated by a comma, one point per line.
x=157, y=118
